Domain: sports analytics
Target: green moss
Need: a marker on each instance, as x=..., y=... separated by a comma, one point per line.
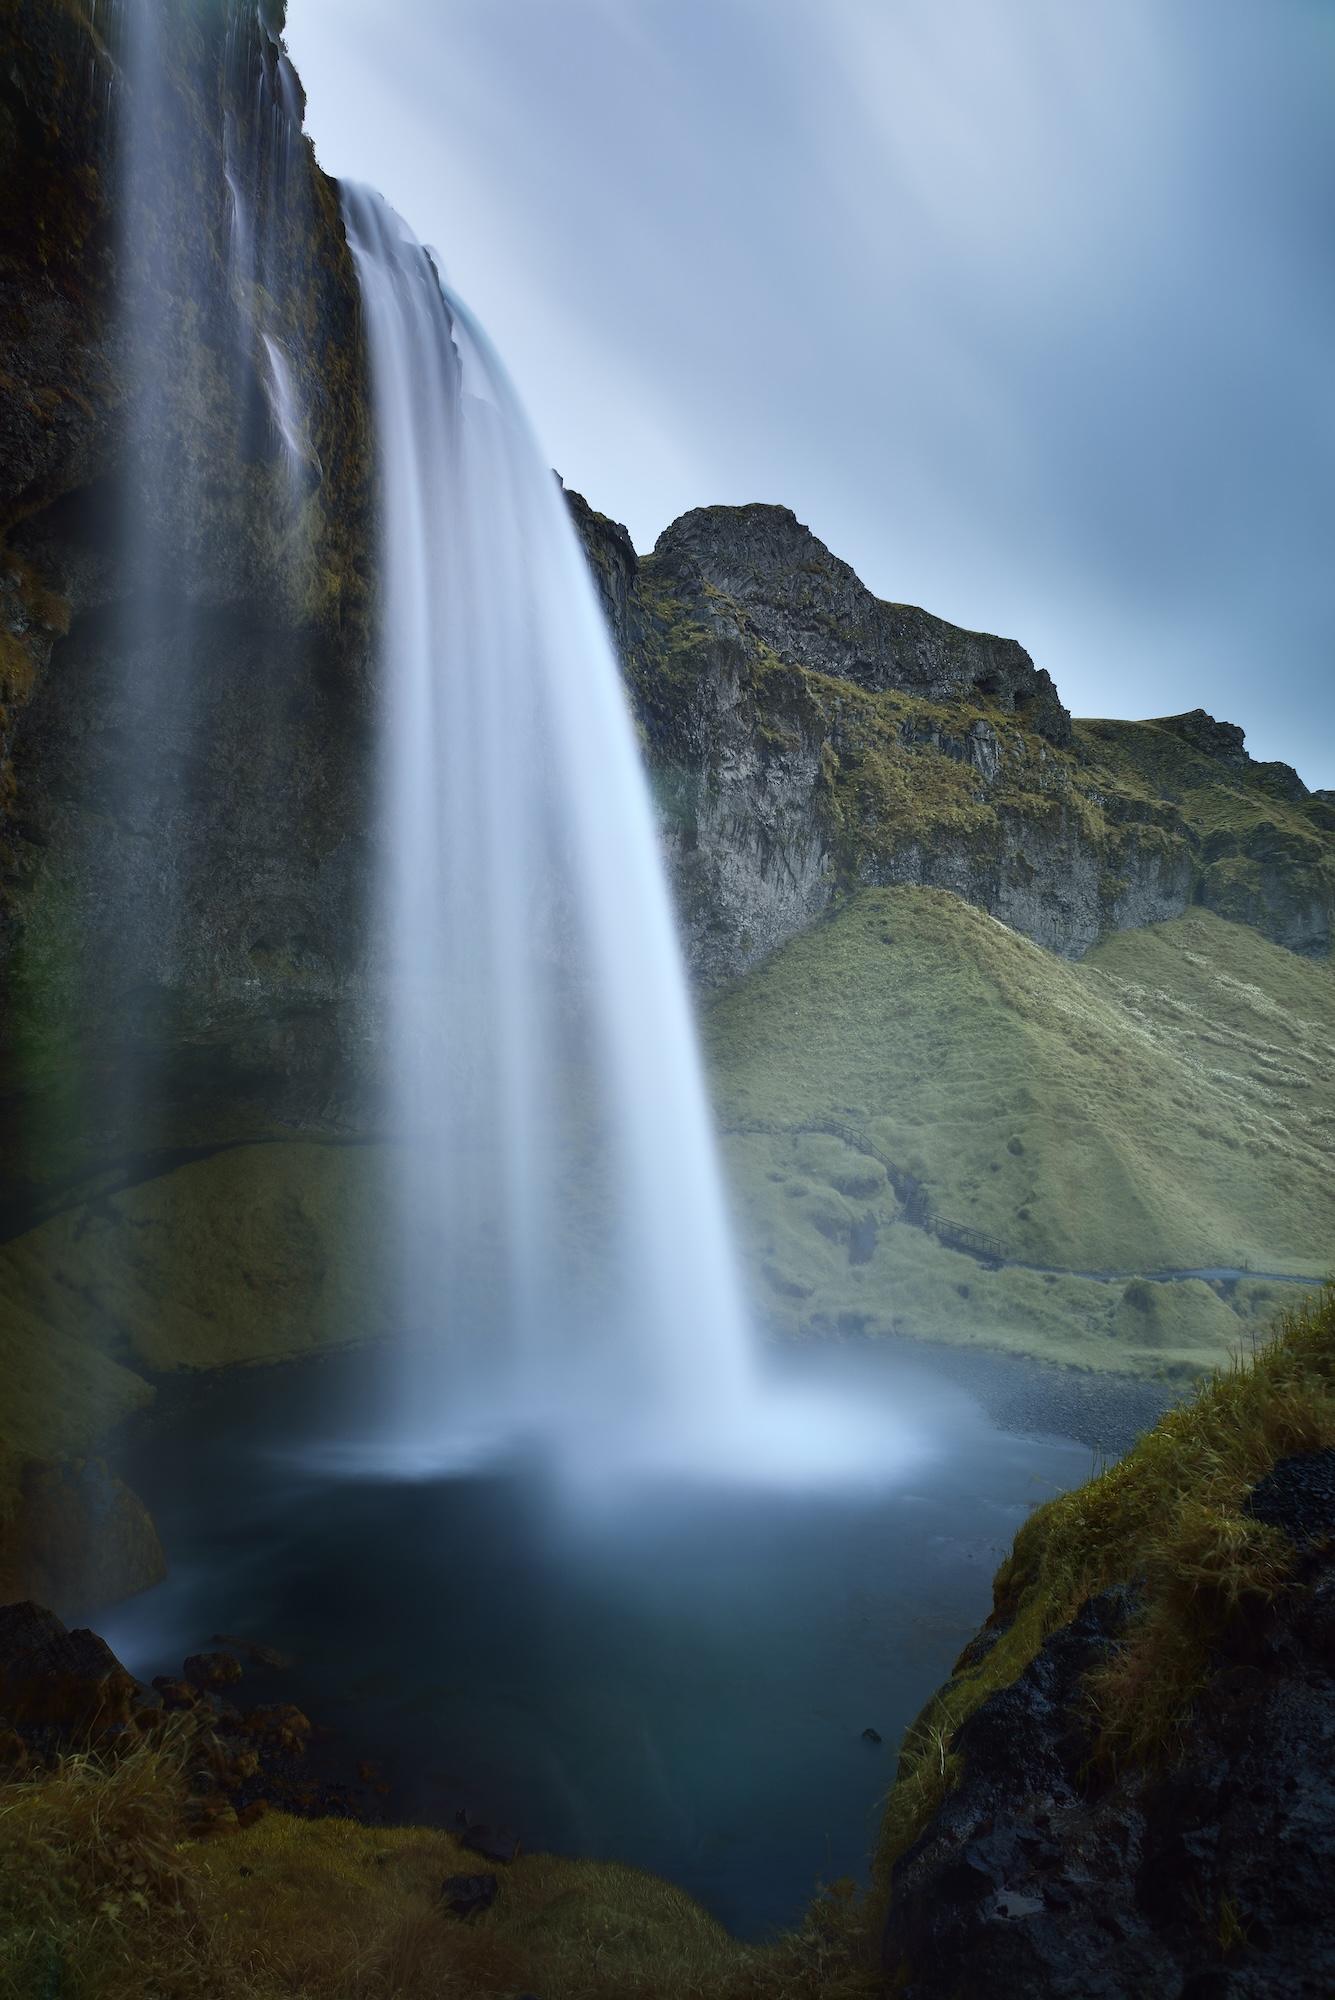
x=257, y=1254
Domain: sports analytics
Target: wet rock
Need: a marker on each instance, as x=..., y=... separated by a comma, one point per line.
x=251, y=1650
x=280, y=1722
x=252, y=763
x=468, y=1895
x=212, y=1670
x=492, y=1843
x=55, y=1679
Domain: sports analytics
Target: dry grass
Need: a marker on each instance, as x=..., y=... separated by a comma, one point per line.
x=102, y=1897
x=98, y=1894
x=1168, y=1520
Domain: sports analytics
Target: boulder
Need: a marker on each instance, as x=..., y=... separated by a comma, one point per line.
x=79, y=1538
x=468, y=1895
x=52, y=1678
x=492, y=1843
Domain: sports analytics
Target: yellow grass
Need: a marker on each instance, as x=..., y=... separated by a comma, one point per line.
x=1167, y=1519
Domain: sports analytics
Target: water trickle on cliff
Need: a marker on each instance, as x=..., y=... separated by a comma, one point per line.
x=567, y=1269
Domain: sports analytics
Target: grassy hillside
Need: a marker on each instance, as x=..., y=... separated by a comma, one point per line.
x=1168, y=1103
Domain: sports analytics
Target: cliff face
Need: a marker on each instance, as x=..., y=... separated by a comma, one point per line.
x=806, y=739
x=185, y=497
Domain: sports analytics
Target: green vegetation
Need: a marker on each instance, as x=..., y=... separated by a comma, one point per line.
x=1168, y=1517
x=107, y=1893
x=1167, y=1104
x=1265, y=856
x=259, y=1253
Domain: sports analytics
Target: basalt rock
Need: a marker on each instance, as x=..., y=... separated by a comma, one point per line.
x=468, y=1895
x=816, y=613
x=805, y=738
x=1045, y=1875
x=52, y=1679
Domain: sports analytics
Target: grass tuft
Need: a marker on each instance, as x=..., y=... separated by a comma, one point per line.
x=1168, y=1521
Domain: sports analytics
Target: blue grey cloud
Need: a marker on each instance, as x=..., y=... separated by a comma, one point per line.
x=1028, y=309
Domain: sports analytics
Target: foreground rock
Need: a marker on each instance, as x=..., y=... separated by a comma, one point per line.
x=1048, y=1874
x=58, y=1686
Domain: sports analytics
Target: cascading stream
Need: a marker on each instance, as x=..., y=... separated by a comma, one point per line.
x=566, y=1261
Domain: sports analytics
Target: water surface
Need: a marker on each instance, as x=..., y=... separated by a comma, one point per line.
x=674, y=1674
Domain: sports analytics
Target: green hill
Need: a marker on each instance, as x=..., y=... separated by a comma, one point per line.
x=1168, y=1103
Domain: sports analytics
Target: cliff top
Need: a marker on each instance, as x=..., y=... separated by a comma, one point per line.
x=816, y=613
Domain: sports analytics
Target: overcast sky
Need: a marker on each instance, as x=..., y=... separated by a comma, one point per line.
x=1026, y=307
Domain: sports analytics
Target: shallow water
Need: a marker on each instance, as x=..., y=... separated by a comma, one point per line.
x=672, y=1674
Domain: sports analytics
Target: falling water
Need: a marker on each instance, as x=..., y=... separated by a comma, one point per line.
x=565, y=1256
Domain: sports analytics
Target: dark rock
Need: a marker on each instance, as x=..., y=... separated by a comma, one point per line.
x=871, y=1736
x=250, y=1649
x=198, y=779
x=176, y=1693
x=493, y=1843
x=280, y=1722
x=52, y=1678
x=1039, y=1876
x=612, y=559
x=212, y=1670
x=815, y=613
x=1298, y=1497
x=1223, y=741
x=467, y=1895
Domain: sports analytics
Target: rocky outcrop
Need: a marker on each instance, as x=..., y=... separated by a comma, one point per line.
x=80, y=1538
x=816, y=613
x=1051, y=1873
x=806, y=738
x=57, y=1683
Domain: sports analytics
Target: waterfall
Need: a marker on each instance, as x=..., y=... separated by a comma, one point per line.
x=565, y=1257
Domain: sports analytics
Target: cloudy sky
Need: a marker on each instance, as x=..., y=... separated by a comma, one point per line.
x=1026, y=307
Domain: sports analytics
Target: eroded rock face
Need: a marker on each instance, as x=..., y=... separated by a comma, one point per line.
x=1207, y=1877
x=805, y=738
x=815, y=612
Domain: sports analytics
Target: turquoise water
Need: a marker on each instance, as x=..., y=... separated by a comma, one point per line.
x=673, y=1675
